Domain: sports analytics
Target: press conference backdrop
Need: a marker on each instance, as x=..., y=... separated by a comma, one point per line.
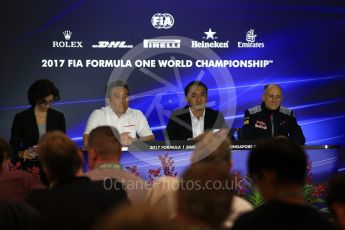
x=294, y=43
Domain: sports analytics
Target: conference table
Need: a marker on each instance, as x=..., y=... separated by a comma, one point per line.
x=148, y=159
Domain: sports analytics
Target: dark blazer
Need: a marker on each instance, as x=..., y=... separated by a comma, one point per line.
x=262, y=123
x=77, y=203
x=16, y=215
x=24, y=132
x=180, y=123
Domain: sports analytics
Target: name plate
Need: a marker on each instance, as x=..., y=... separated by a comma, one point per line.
x=177, y=146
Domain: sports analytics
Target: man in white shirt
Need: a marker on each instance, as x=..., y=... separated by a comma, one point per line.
x=129, y=122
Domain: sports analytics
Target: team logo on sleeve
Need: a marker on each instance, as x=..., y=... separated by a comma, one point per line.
x=246, y=121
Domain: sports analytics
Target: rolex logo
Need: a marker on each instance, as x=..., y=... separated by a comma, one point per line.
x=67, y=43
x=67, y=34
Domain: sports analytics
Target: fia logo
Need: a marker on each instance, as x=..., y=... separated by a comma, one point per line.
x=250, y=36
x=162, y=21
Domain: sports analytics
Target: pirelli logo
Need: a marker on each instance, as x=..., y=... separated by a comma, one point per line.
x=162, y=43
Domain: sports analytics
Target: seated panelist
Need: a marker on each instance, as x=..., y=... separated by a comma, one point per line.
x=129, y=122
x=270, y=119
x=190, y=122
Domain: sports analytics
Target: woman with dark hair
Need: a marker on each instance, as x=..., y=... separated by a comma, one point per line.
x=30, y=124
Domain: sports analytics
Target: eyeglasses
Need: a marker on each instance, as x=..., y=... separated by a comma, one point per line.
x=46, y=103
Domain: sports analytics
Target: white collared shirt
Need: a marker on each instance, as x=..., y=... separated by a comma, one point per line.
x=197, y=124
x=132, y=121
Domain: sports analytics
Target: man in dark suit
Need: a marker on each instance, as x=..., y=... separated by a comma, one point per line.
x=191, y=121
